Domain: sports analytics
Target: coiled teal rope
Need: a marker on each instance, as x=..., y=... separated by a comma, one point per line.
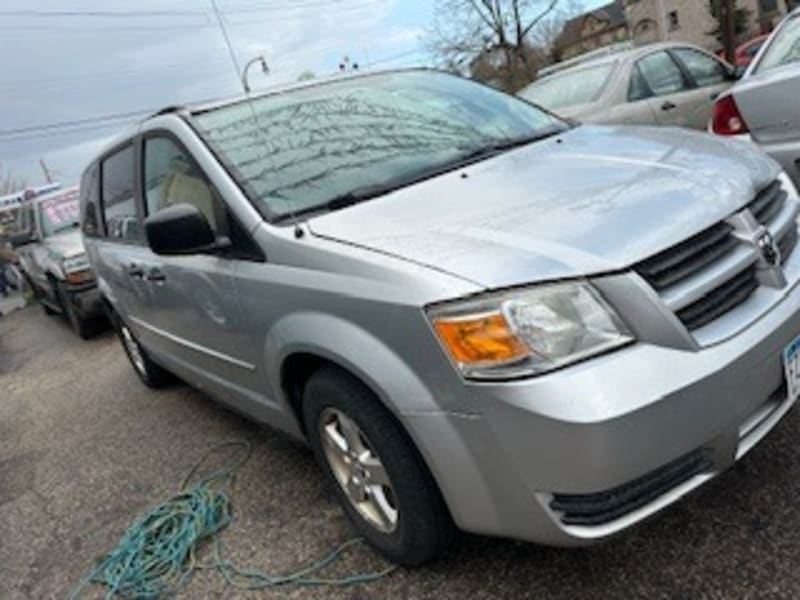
x=157, y=555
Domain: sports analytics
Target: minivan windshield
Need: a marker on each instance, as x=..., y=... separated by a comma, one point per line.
x=578, y=86
x=301, y=150
x=784, y=48
x=59, y=214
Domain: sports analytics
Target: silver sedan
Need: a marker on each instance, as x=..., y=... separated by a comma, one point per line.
x=658, y=84
x=764, y=105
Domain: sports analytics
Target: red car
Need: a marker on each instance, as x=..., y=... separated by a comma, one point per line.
x=746, y=52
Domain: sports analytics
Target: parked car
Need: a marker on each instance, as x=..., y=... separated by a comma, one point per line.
x=476, y=313
x=745, y=53
x=764, y=106
x=658, y=84
x=54, y=262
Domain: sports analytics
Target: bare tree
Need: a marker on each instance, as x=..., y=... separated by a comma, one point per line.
x=497, y=33
x=547, y=32
x=9, y=183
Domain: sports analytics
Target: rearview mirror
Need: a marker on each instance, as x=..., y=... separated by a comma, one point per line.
x=181, y=229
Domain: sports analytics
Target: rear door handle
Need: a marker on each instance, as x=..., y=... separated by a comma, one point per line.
x=668, y=105
x=135, y=271
x=156, y=274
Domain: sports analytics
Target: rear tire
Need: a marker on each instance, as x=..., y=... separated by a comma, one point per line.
x=374, y=469
x=150, y=373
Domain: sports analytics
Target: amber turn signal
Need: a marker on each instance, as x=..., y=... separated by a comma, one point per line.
x=480, y=339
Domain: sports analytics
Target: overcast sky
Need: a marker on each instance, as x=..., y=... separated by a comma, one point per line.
x=72, y=66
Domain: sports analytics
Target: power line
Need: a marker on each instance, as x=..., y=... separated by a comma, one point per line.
x=227, y=40
x=394, y=57
x=59, y=124
x=100, y=13
x=47, y=134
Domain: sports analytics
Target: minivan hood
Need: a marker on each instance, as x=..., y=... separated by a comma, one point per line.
x=65, y=245
x=592, y=200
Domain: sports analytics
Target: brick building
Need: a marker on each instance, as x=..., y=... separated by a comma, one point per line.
x=690, y=20
x=594, y=29
x=646, y=21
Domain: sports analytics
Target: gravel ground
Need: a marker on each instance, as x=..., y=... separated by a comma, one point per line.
x=85, y=448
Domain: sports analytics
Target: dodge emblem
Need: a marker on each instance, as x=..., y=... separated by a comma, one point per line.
x=769, y=249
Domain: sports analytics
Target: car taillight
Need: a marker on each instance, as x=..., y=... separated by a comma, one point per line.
x=727, y=120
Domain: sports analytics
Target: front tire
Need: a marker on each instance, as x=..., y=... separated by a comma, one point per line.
x=375, y=471
x=151, y=374
x=38, y=295
x=79, y=325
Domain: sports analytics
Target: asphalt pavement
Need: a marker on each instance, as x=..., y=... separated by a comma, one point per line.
x=85, y=449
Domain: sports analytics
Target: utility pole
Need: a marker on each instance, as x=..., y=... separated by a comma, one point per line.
x=46, y=171
x=728, y=24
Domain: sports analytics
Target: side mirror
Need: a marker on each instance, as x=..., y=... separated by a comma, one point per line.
x=181, y=229
x=736, y=73
x=23, y=238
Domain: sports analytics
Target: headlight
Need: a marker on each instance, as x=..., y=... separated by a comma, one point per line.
x=75, y=263
x=528, y=331
x=788, y=185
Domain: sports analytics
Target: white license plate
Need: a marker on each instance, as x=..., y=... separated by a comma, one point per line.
x=791, y=361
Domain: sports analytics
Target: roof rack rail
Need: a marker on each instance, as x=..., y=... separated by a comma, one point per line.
x=168, y=110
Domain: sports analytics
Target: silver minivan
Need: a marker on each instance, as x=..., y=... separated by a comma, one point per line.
x=479, y=317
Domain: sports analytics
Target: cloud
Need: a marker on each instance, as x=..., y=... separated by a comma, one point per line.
x=81, y=68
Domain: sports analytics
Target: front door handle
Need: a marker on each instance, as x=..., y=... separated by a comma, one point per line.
x=156, y=274
x=668, y=105
x=135, y=271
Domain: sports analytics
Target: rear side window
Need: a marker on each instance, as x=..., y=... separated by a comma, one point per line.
x=703, y=69
x=637, y=89
x=784, y=47
x=90, y=196
x=662, y=74
x=571, y=88
x=119, y=204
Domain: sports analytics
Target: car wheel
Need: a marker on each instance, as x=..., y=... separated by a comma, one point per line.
x=375, y=470
x=37, y=294
x=81, y=326
x=151, y=374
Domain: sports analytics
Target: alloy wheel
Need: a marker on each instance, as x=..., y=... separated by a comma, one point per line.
x=358, y=469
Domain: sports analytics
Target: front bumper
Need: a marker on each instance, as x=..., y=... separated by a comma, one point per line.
x=86, y=300
x=606, y=425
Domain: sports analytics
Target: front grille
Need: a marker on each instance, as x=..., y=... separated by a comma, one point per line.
x=768, y=203
x=603, y=507
x=687, y=258
x=720, y=300
x=716, y=270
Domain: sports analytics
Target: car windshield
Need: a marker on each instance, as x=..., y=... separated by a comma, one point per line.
x=578, y=86
x=59, y=214
x=785, y=48
x=296, y=151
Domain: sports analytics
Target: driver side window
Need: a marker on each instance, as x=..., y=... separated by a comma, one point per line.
x=172, y=177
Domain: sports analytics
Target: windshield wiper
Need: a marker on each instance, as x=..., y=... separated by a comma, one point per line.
x=505, y=145
x=66, y=227
x=355, y=196
x=368, y=192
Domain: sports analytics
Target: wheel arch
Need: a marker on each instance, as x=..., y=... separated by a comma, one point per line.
x=300, y=343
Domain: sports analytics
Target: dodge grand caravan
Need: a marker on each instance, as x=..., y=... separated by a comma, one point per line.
x=479, y=316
